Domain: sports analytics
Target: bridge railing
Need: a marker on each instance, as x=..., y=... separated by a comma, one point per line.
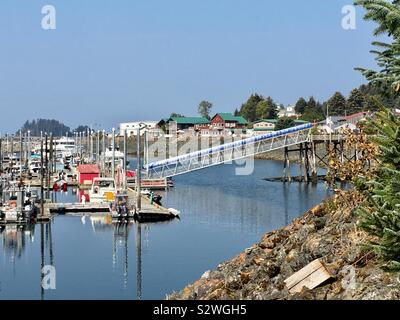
x=228, y=152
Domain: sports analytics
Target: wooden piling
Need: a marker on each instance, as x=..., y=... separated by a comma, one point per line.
x=314, y=175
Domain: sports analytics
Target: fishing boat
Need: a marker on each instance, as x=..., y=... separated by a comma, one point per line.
x=121, y=208
x=102, y=190
x=17, y=206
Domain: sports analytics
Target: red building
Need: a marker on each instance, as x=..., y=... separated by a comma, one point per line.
x=87, y=172
x=227, y=121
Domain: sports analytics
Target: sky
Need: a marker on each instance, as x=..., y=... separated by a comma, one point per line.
x=112, y=61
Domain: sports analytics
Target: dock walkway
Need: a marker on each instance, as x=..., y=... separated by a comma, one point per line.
x=150, y=212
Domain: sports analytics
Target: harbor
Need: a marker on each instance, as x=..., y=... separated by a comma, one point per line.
x=106, y=256
x=32, y=168
x=199, y=150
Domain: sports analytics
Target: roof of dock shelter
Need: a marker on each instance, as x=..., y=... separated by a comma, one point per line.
x=88, y=168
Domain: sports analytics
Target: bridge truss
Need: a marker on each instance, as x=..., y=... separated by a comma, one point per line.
x=228, y=152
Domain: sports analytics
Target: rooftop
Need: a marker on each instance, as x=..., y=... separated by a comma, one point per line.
x=226, y=116
x=190, y=120
x=88, y=168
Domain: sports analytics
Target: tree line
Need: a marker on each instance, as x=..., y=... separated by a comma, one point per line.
x=368, y=97
x=50, y=126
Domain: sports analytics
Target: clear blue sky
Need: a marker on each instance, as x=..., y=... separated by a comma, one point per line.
x=111, y=61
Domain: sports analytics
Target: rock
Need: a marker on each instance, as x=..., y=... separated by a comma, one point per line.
x=326, y=232
x=245, y=277
x=292, y=255
x=233, y=282
x=320, y=223
x=271, y=268
x=318, y=210
x=257, y=260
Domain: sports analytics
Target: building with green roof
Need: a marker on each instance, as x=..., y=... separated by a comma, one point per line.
x=227, y=121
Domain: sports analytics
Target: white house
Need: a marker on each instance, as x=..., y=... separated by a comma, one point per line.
x=131, y=127
x=289, y=112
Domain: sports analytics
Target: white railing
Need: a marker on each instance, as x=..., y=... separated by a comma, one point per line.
x=228, y=152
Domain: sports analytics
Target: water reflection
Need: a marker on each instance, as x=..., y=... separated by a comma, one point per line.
x=15, y=239
x=222, y=214
x=120, y=245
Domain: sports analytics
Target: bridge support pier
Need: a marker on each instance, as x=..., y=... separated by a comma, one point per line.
x=314, y=174
x=286, y=166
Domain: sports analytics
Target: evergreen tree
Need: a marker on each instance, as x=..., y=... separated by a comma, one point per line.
x=387, y=15
x=313, y=111
x=248, y=109
x=45, y=125
x=356, y=102
x=373, y=103
x=300, y=106
x=176, y=115
x=81, y=128
x=312, y=104
x=336, y=105
x=381, y=218
x=284, y=123
x=266, y=109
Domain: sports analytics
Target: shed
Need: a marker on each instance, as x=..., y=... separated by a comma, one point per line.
x=87, y=172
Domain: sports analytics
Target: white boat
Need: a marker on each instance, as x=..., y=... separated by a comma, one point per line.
x=103, y=190
x=174, y=212
x=34, y=166
x=18, y=206
x=64, y=147
x=118, y=156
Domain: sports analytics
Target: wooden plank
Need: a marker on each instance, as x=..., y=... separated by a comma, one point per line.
x=311, y=276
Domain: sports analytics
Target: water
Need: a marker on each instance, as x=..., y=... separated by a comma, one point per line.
x=222, y=214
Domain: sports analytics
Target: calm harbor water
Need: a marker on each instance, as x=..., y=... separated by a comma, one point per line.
x=221, y=215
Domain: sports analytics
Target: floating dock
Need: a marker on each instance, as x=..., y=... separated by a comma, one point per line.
x=51, y=208
x=150, y=212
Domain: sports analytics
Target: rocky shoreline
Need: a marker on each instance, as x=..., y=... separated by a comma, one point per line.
x=327, y=232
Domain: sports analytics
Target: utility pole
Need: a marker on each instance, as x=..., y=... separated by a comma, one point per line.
x=146, y=152
x=29, y=145
x=113, y=153
x=103, y=154
x=98, y=147
x=88, y=144
x=91, y=145
x=41, y=177
x=46, y=164
x=20, y=156
x=1, y=155
x=51, y=155
x=12, y=157
x=125, y=159
x=138, y=170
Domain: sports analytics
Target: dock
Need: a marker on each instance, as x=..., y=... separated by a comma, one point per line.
x=150, y=212
x=64, y=208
